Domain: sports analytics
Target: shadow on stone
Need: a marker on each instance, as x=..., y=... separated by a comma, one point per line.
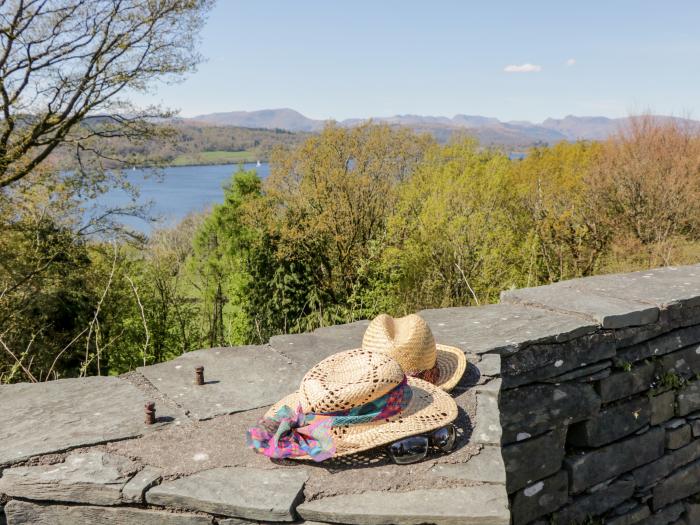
x=471, y=377
x=379, y=457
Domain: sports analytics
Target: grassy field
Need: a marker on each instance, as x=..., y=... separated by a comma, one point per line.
x=214, y=157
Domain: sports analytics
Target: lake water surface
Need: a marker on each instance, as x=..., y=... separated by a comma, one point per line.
x=175, y=192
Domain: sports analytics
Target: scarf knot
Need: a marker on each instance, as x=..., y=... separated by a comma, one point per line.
x=292, y=433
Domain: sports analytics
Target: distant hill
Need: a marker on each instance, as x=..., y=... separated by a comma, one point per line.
x=488, y=130
x=590, y=128
x=285, y=118
x=193, y=144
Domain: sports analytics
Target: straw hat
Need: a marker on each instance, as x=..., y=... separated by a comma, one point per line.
x=410, y=341
x=354, y=378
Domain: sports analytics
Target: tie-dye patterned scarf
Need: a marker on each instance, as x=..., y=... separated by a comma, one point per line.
x=291, y=433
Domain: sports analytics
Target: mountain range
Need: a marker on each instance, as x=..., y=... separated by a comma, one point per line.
x=488, y=130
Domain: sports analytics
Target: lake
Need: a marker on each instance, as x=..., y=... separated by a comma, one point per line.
x=176, y=191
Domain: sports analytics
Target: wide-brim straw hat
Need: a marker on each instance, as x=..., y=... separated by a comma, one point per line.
x=410, y=341
x=355, y=377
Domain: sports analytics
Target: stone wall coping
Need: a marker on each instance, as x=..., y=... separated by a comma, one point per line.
x=536, y=337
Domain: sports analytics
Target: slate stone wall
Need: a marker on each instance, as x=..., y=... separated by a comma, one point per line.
x=605, y=427
x=587, y=412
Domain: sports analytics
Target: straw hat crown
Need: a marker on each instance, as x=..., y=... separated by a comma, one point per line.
x=348, y=380
x=410, y=341
x=406, y=339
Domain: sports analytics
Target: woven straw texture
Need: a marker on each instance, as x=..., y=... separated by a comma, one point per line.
x=369, y=375
x=410, y=341
x=348, y=379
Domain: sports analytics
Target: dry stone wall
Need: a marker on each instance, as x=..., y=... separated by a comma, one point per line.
x=580, y=405
x=605, y=427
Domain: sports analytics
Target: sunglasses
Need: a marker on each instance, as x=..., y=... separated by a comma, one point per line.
x=415, y=448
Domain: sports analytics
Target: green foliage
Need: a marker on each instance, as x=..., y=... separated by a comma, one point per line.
x=568, y=237
x=457, y=234
x=184, y=144
x=671, y=380
x=351, y=223
x=213, y=157
x=223, y=247
x=327, y=205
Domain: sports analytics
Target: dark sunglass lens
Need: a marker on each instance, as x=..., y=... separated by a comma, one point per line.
x=409, y=450
x=444, y=438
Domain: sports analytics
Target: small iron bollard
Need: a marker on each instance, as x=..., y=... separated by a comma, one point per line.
x=150, y=413
x=199, y=375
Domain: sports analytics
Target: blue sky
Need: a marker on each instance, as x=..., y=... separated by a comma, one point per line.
x=361, y=58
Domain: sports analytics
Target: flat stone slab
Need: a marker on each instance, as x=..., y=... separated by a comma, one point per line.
x=25, y=512
x=540, y=498
x=533, y=459
x=242, y=492
x=534, y=409
x=679, y=485
x=634, y=515
x=545, y=361
x=649, y=474
x=485, y=467
x=309, y=349
x=488, y=423
x=667, y=516
x=688, y=399
x=661, y=286
x=95, y=478
x=611, y=423
x=580, y=297
x=41, y=418
x=499, y=328
x=618, y=300
x=502, y=328
x=594, y=504
x=137, y=486
x=598, y=465
x=663, y=407
x=489, y=365
x=623, y=384
x=662, y=345
x=479, y=505
x=236, y=379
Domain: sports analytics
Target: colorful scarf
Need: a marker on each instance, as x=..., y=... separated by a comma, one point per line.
x=291, y=433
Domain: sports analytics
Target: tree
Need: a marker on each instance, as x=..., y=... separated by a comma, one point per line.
x=45, y=295
x=220, y=262
x=65, y=63
x=66, y=67
x=569, y=239
x=456, y=237
x=330, y=200
x=647, y=187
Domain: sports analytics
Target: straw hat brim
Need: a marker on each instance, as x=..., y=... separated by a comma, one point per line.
x=430, y=408
x=451, y=363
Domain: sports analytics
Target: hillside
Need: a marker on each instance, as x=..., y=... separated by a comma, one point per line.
x=285, y=118
x=249, y=136
x=487, y=130
x=192, y=144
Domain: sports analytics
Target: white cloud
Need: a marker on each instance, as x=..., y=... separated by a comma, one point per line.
x=522, y=68
x=571, y=62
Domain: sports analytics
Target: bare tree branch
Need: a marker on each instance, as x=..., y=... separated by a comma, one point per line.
x=63, y=61
x=143, y=318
